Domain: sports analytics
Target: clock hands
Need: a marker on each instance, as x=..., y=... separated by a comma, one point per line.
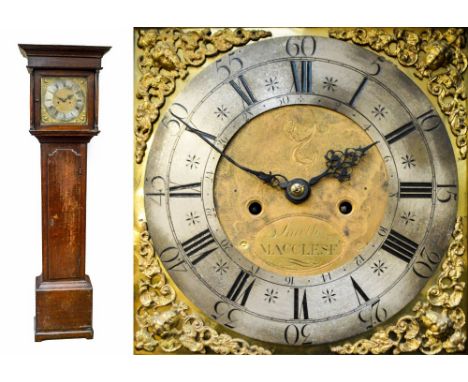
x=339, y=165
x=275, y=180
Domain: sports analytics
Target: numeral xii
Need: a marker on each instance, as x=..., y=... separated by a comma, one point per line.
x=302, y=75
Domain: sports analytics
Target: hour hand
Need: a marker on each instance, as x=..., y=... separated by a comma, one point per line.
x=341, y=163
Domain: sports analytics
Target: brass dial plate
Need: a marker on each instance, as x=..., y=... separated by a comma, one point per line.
x=296, y=309
x=313, y=237
x=63, y=100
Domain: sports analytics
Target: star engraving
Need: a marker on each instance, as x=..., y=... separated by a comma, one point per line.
x=272, y=84
x=328, y=295
x=379, y=267
x=379, y=112
x=408, y=217
x=408, y=161
x=330, y=84
x=221, y=112
x=192, y=218
x=192, y=162
x=221, y=267
x=271, y=295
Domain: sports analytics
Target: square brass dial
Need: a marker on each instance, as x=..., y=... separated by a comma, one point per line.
x=64, y=100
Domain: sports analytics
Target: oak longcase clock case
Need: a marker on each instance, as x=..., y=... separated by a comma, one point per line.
x=64, y=118
x=300, y=190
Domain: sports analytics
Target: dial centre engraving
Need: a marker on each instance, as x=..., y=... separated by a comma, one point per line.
x=313, y=236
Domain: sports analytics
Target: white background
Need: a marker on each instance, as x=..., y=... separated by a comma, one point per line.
x=109, y=219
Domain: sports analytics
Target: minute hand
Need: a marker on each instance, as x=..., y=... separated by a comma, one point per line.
x=274, y=180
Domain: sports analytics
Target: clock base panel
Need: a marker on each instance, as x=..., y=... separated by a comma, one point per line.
x=63, y=309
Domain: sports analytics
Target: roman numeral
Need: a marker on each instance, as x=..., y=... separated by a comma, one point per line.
x=401, y=132
x=400, y=246
x=300, y=305
x=415, y=190
x=245, y=93
x=199, y=246
x=241, y=289
x=360, y=294
x=302, y=77
x=190, y=190
x=358, y=91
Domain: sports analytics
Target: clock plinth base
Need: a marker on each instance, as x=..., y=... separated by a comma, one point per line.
x=63, y=309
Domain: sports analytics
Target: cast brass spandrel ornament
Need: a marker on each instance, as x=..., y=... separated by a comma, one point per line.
x=166, y=323
x=437, y=57
x=438, y=321
x=166, y=56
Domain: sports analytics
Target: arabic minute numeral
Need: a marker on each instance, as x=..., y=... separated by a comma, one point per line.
x=229, y=63
x=446, y=193
x=224, y=313
x=373, y=315
x=289, y=280
x=284, y=100
x=301, y=46
x=297, y=334
x=359, y=260
x=425, y=267
x=429, y=121
x=172, y=259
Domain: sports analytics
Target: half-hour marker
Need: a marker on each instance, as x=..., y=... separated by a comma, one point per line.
x=302, y=77
x=199, y=246
x=416, y=190
x=401, y=132
x=400, y=246
x=358, y=91
x=300, y=305
x=360, y=294
x=241, y=288
x=245, y=93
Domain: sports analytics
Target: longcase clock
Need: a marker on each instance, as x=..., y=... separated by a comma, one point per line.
x=64, y=118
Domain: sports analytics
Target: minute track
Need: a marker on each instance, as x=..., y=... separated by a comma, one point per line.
x=255, y=297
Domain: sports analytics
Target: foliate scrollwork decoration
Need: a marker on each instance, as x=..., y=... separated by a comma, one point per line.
x=436, y=55
x=438, y=322
x=168, y=324
x=166, y=55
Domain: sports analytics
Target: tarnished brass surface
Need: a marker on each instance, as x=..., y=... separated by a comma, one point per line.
x=312, y=237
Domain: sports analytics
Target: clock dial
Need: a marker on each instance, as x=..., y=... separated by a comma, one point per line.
x=63, y=100
x=346, y=229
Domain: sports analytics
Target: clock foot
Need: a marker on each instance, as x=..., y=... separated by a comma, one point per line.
x=63, y=309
